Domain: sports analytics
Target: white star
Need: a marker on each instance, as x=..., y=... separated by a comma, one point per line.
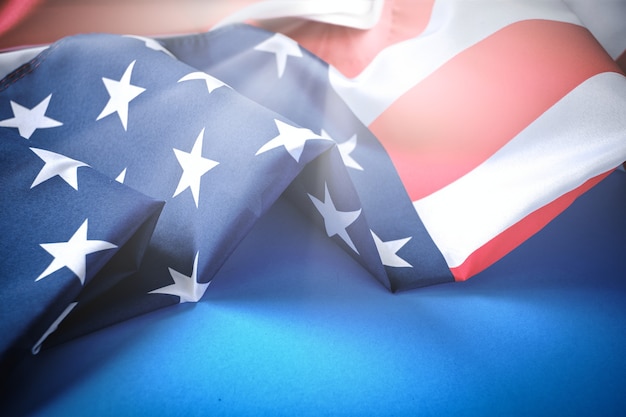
x=56, y=164
x=194, y=167
x=151, y=43
x=345, y=149
x=28, y=120
x=187, y=288
x=388, y=251
x=291, y=137
x=282, y=47
x=72, y=253
x=121, y=93
x=335, y=221
x=211, y=82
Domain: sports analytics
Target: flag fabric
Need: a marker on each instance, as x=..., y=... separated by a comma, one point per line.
x=62, y=222
x=295, y=84
x=126, y=110
x=444, y=149
x=605, y=20
x=496, y=114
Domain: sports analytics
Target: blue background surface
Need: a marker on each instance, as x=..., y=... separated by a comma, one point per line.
x=293, y=326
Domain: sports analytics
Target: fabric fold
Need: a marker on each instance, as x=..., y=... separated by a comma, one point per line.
x=303, y=92
x=56, y=240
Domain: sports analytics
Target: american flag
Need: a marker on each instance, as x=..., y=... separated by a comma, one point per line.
x=135, y=166
x=496, y=114
x=195, y=165
x=62, y=222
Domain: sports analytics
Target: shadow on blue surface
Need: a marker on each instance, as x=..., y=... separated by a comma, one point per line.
x=293, y=326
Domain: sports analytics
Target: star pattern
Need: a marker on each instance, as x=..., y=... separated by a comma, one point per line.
x=388, y=251
x=28, y=120
x=211, y=82
x=121, y=93
x=282, y=47
x=194, y=167
x=345, y=149
x=57, y=164
x=292, y=138
x=168, y=217
x=186, y=287
x=335, y=221
x=72, y=254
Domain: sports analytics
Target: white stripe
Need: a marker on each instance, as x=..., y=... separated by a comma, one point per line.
x=581, y=136
x=455, y=25
x=360, y=14
x=9, y=61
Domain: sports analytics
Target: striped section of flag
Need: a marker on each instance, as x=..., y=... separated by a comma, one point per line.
x=528, y=173
x=496, y=116
x=454, y=27
x=606, y=21
x=477, y=101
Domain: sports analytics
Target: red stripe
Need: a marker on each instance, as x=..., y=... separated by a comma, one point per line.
x=13, y=12
x=475, y=103
x=351, y=50
x=508, y=240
